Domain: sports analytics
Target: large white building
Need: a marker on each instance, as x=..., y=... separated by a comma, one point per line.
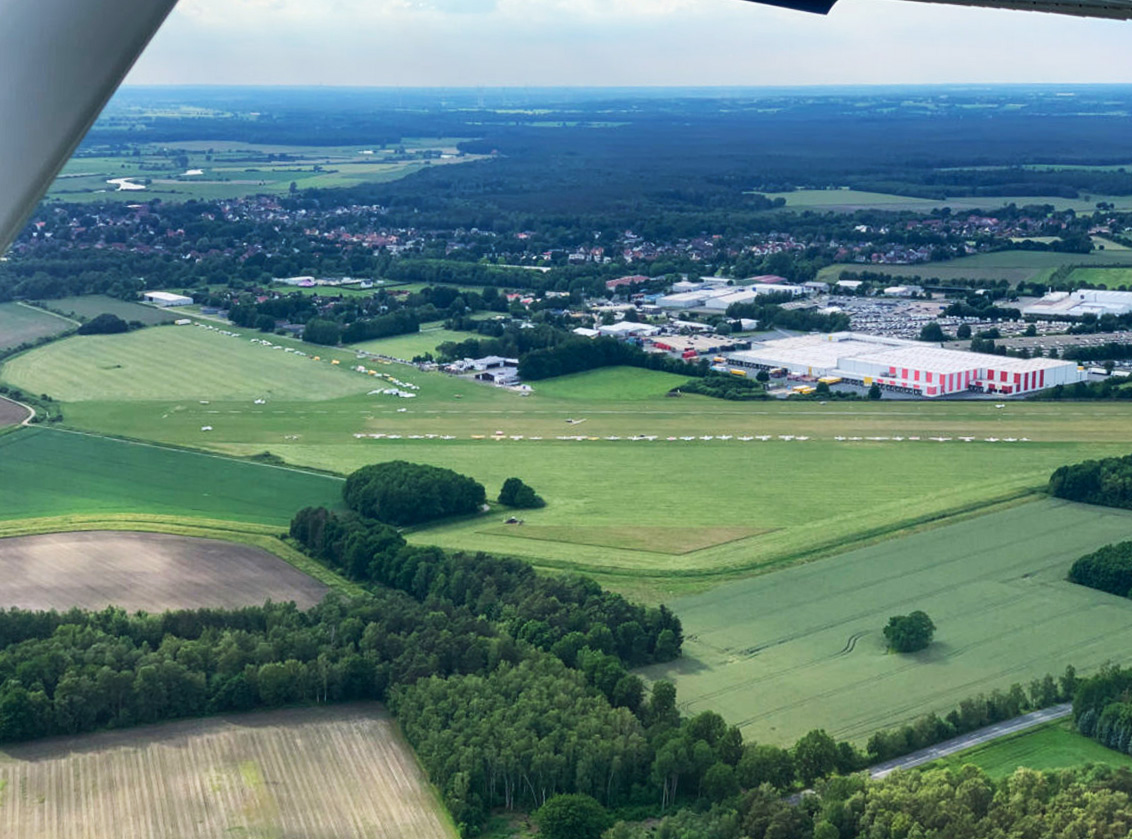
x=165, y=299
x=910, y=366
x=718, y=298
x=627, y=329
x=1079, y=303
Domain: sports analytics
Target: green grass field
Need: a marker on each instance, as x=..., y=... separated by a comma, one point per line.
x=232, y=170
x=48, y=472
x=93, y=305
x=181, y=362
x=625, y=501
x=408, y=347
x=1103, y=277
x=851, y=200
x=779, y=653
x=20, y=323
x=1052, y=746
x=1014, y=266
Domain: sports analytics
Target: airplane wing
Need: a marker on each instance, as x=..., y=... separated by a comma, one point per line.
x=1118, y=9
x=60, y=61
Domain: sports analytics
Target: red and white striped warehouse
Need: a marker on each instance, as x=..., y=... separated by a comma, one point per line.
x=907, y=366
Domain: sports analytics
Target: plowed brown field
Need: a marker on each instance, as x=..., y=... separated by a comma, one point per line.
x=325, y=773
x=150, y=571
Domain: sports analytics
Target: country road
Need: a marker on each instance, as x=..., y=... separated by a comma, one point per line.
x=975, y=738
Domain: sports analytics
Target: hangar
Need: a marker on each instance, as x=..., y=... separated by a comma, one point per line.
x=909, y=366
x=164, y=299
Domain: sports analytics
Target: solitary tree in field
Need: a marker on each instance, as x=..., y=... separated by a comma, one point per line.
x=908, y=633
x=515, y=493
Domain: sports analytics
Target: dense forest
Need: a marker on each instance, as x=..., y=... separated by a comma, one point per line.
x=560, y=614
x=961, y=803
x=1107, y=482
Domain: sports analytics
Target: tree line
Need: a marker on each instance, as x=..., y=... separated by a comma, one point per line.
x=723, y=386
x=962, y=803
x=770, y=313
x=1118, y=388
x=561, y=614
x=1107, y=569
x=1102, y=708
x=575, y=355
x=1107, y=482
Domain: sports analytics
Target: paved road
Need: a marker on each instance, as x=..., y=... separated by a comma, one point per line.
x=975, y=738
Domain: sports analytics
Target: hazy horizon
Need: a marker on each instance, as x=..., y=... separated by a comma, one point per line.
x=623, y=43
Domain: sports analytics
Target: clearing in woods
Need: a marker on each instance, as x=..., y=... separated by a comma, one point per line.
x=155, y=572
x=319, y=772
x=20, y=324
x=775, y=653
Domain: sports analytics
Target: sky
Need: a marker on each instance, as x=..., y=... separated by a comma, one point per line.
x=445, y=43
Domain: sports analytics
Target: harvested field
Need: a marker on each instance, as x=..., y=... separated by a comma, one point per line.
x=11, y=413
x=150, y=571
x=325, y=772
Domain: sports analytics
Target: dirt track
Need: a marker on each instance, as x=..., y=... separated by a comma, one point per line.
x=150, y=571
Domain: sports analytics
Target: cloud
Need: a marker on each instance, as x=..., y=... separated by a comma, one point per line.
x=622, y=42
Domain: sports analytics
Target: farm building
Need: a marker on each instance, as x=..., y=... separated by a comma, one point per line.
x=164, y=299
x=908, y=366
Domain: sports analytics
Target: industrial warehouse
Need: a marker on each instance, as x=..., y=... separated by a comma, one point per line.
x=906, y=366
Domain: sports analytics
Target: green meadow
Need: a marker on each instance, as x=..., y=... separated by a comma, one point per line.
x=92, y=305
x=694, y=516
x=851, y=200
x=775, y=653
x=1103, y=277
x=654, y=518
x=408, y=347
x=50, y=472
x=1052, y=746
x=231, y=170
x=20, y=323
x=1014, y=266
